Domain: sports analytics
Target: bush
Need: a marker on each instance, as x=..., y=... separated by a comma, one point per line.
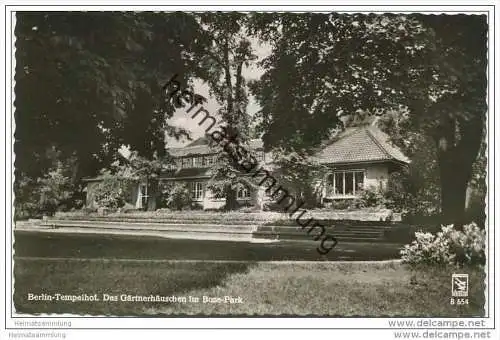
x=340, y=204
x=55, y=192
x=129, y=208
x=273, y=206
x=176, y=196
x=449, y=246
x=112, y=192
x=45, y=195
x=88, y=210
x=368, y=198
x=411, y=195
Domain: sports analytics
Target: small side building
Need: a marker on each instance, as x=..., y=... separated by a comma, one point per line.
x=357, y=159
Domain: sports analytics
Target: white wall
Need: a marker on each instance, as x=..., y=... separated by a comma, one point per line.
x=376, y=175
x=210, y=201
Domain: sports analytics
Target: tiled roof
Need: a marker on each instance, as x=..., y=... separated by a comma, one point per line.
x=361, y=144
x=201, y=147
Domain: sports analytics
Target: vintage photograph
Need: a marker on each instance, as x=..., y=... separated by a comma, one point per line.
x=250, y=164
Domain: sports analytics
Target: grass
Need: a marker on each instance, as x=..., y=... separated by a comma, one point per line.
x=320, y=288
x=33, y=244
x=75, y=277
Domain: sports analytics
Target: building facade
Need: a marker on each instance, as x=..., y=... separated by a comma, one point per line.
x=193, y=167
x=355, y=159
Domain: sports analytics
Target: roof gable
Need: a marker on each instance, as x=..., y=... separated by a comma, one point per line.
x=364, y=144
x=201, y=147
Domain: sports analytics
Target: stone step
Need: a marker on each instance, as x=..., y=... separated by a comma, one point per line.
x=305, y=236
x=335, y=226
x=178, y=219
x=297, y=233
x=221, y=236
x=358, y=239
x=205, y=228
x=163, y=220
x=281, y=229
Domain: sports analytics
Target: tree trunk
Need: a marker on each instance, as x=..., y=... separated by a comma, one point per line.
x=231, y=201
x=453, y=193
x=153, y=194
x=456, y=158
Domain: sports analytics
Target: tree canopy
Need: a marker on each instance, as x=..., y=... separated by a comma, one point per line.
x=89, y=82
x=324, y=66
x=86, y=93
x=82, y=94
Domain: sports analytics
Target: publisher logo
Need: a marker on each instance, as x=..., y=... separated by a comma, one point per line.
x=460, y=285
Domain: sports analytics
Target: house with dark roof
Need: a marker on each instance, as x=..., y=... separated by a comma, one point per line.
x=193, y=167
x=356, y=158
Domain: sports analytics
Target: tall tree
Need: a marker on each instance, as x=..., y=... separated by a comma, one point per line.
x=84, y=93
x=324, y=66
x=225, y=52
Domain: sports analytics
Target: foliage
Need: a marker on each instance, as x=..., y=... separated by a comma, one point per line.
x=53, y=192
x=103, y=85
x=107, y=86
x=324, y=66
x=139, y=168
x=112, y=192
x=340, y=204
x=299, y=175
x=175, y=196
x=449, y=246
x=409, y=191
x=224, y=54
x=272, y=206
x=368, y=198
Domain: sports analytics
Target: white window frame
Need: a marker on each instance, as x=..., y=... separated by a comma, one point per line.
x=142, y=195
x=245, y=193
x=209, y=160
x=196, y=190
x=186, y=162
x=333, y=193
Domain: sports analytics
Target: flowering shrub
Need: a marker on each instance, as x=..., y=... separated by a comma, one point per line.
x=176, y=196
x=369, y=197
x=112, y=192
x=448, y=246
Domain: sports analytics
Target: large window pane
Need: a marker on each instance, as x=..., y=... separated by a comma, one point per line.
x=196, y=190
x=187, y=162
x=349, y=183
x=339, y=183
x=243, y=192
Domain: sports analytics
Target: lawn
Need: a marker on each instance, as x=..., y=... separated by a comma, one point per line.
x=34, y=244
x=266, y=288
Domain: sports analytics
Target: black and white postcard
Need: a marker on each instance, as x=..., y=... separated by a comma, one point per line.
x=250, y=167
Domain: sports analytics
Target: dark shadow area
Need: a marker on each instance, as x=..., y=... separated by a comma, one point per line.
x=29, y=244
